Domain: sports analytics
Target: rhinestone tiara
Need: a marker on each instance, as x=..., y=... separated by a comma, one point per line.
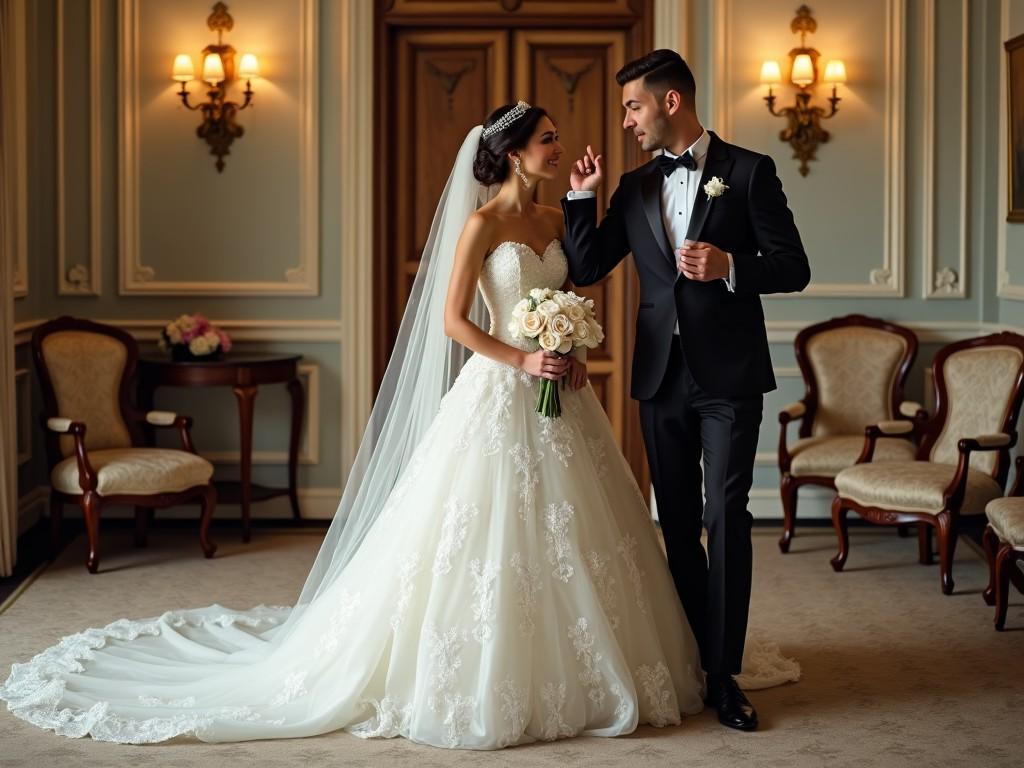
x=506, y=120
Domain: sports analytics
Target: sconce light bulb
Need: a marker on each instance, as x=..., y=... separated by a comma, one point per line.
x=803, y=70
x=835, y=72
x=770, y=73
x=183, y=70
x=213, y=69
x=248, y=67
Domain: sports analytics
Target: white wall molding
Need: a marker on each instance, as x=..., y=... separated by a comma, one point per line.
x=139, y=279
x=887, y=279
x=1007, y=289
x=944, y=282
x=308, y=331
x=356, y=213
x=15, y=113
x=80, y=279
x=672, y=25
x=309, y=448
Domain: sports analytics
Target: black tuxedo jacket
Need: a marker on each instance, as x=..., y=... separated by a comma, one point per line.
x=723, y=334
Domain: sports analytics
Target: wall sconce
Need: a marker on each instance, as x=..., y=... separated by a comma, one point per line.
x=804, y=132
x=218, y=128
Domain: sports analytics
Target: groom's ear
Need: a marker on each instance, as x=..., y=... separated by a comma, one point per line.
x=672, y=101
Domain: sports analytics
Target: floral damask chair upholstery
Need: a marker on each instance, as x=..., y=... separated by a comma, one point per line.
x=1004, y=546
x=854, y=370
x=963, y=453
x=93, y=434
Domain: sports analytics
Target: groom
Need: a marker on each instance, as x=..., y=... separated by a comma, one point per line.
x=709, y=229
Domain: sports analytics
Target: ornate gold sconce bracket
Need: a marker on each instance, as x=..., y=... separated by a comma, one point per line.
x=219, y=127
x=804, y=131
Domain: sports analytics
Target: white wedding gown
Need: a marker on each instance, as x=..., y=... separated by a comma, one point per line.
x=513, y=589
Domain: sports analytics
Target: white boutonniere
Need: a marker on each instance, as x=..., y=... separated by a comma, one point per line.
x=715, y=187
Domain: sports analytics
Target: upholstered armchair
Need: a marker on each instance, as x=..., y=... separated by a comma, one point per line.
x=94, y=440
x=963, y=453
x=1004, y=546
x=854, y=370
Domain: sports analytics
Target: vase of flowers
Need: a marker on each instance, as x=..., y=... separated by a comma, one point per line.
x=193, y=337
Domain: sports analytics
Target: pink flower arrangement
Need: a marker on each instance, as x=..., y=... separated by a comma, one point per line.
x=193, y=336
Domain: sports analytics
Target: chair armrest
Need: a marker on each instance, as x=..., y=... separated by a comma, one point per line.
x=912, y=410
x=86, y=474
x=882, y=429
x=791, y=412
x=955, y=492
x=169, y=420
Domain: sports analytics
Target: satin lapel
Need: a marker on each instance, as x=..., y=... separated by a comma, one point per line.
x=652, y=209
x=718, y=163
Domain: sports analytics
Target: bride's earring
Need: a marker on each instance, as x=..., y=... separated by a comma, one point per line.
x=520, y=174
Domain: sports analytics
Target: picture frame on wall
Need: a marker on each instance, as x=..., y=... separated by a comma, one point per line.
x=1015, y=127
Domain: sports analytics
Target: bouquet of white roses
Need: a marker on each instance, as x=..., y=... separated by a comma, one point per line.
x=558, y=321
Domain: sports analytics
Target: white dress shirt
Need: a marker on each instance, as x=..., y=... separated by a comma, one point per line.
x=678, y=195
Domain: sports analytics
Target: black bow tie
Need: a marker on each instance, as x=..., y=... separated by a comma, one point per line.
x=669, y=164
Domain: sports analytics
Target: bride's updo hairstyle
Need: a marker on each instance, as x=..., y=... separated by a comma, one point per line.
x=491, y=165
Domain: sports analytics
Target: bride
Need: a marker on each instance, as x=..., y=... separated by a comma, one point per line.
x=492, y=576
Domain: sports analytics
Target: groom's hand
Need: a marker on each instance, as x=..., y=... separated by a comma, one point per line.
x=587, y=173
x=702, y=261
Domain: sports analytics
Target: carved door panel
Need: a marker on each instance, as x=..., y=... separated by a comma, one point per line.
x=444, y=81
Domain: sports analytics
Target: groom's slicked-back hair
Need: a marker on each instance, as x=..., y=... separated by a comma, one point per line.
x=662, y=70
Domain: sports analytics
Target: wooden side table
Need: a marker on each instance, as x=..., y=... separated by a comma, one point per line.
x=243, y=373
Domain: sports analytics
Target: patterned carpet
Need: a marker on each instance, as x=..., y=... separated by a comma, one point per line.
x=894, y=672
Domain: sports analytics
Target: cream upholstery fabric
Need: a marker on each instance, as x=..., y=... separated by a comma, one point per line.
x=913, y=486
x=136, y=471
x=827, y=456
x=854, y=368
x=85, y=369
x=1007, y=518
x=980, y=382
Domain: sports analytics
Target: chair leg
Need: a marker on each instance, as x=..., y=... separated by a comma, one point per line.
x=841, y=525
x=787, y=490
x=1004, y=561
x=990, y=543
x=56, y=521
x=142, y=517
x=924, y=544
x=209, y=504
x=91, y=504
x=947, y=534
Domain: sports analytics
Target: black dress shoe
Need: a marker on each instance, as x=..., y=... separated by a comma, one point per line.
x=734, y=708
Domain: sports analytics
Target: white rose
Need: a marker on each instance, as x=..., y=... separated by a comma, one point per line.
x=550, y=341
x=565, y=346
x=539, y=294
x=185, y=323
x=521, y=307
x=576, y=313
x=561, y=325
x=598, y=330
x=174, y=333
x=548, y=308
x=531, y=324
x=581, y=331
x=199, y=346
x=563, y=300
x=715, y=187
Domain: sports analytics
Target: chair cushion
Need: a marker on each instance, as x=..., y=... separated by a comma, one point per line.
x=1006, y=516
x=827, y=456
x=913, y=486
x=141, y=471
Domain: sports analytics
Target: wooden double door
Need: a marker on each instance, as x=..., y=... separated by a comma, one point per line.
x=440, y=75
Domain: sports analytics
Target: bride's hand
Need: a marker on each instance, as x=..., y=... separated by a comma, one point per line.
x=545, y=365
x=587, y=173
x=576, y=376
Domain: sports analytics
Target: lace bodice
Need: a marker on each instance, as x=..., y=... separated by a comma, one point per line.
x=508, y=275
